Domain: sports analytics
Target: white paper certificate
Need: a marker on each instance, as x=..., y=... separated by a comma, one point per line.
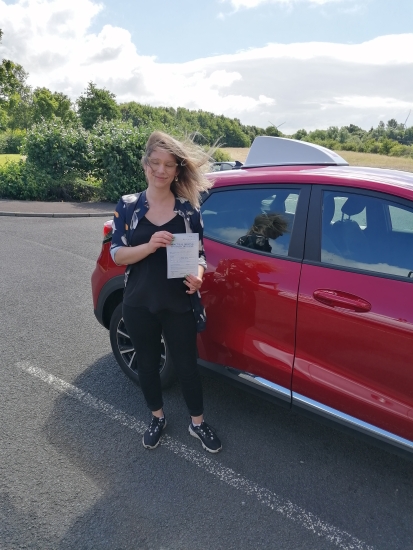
x=182, y=255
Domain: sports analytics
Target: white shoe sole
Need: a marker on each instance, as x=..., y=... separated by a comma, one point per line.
x=191, y=431
x=159, y=440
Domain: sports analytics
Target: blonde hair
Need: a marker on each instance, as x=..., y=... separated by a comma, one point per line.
x=192, y=163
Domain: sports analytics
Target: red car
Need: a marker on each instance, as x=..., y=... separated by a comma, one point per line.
x=318, y=316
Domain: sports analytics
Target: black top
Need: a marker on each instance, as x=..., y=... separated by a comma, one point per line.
x=148, y=285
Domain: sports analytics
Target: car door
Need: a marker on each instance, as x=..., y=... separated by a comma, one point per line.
x=251, y=284
x=355, y=310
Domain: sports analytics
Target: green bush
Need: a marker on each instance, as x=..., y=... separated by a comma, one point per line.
x=74, y=164
x=118, y=148
x=349, y=146
x=24, y=181
x=11, y=142
x=300, y=134
x=221, y=156
x=331, y=144
x=328, y=143
x=371, y=146
x=57, y=148
x=399, y=150
x=386, y=146
x=74, y=187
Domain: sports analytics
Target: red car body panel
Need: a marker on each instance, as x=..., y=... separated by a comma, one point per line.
x=105, y=271
x=359, y=362
x=100, y=276
x=246, y=295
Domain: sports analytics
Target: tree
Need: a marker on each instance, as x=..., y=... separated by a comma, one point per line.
x=19, y=115
x=3, y=119
x=97, y=103
x=408, y=136
x=343, y=134
x=273, y=131
x=395, y=131
x=44, y=104
x=12, y=80
x=64, y=107
x=232, y=135
x=380, y=131
x=392, y=123
x=15, y=95
x=355, y=130
x=332, y=132
x=300, y=134
x=47, y=105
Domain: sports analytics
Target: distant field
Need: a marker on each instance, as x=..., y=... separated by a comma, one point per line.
x=5, y=158
x=377, y=161
x=237, y=153
x=354, y=159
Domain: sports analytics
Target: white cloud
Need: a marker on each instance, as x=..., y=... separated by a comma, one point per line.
x=248, y=4
x=372, y=102
x=219, y=79
x=308, y=85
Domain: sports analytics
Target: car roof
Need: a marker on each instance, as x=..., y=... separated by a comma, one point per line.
x=376, y=179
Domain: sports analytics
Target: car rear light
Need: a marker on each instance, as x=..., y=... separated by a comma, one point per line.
x=107, y=231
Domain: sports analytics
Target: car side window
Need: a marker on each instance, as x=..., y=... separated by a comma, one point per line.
x=401, y=219
x=257, y=219
x=368, y=233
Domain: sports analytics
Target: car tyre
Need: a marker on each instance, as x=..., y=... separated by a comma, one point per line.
x=125, y=354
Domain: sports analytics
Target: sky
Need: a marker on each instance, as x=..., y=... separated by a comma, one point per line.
x=289, y=63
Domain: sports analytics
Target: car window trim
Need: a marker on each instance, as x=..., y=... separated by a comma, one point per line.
x=296, y=246
x=312, y=246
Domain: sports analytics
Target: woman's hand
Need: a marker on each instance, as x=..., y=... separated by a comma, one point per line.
x=193, y=283
x=159, y=239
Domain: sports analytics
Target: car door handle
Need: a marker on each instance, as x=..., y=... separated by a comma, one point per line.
x=336, y=298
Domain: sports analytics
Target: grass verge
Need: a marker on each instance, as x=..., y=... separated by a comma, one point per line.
x=7, y=158
x=377, y=161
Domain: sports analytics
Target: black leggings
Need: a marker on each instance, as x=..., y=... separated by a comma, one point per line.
x=179, y=330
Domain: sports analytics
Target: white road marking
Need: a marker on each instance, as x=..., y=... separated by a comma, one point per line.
x=341, y=539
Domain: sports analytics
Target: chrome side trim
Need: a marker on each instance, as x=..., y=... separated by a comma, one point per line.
x=282, y=394
x=266, y=383
x=352, y=422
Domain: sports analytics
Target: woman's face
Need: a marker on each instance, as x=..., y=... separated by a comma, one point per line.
x=162, y=168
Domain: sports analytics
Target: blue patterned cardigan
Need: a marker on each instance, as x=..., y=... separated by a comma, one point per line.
x=129, y=212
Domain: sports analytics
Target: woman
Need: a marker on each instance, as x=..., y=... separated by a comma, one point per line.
x=144, y=225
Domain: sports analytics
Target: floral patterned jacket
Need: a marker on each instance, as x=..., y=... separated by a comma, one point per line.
x=128, y=213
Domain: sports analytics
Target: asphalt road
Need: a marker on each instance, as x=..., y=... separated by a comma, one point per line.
x=74, y=474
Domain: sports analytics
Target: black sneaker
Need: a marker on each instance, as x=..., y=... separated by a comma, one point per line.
x=153, y=434
x=209, y=439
